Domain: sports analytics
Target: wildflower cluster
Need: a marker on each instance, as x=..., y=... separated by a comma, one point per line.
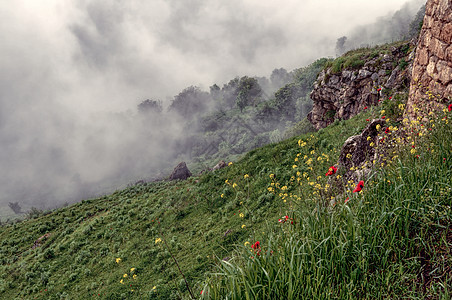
x=308, y=180
x=129, y=278
x=286, y=219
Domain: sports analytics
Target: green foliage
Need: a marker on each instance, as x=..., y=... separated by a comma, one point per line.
x=337, y=65
x=403, y=64
x=191, y=102
x=380, y=244
x=198, y=224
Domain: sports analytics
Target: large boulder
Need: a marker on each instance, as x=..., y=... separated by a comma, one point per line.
x=359, y=154
x=181, y=172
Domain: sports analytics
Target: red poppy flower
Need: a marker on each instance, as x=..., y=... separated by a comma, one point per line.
x=346, y=200
x=284, y=219
x=256, y=245
x=387, y=130
x=390, y=98
x=383, y=117
x=379, y=89
x=365, y=107
x=359, y=187
x=449, y=107
x=332, y=170
x=367, y=120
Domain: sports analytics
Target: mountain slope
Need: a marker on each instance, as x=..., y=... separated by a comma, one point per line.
x=73, y=250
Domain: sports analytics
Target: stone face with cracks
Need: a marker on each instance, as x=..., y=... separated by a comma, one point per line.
x=432, y=67
x=344, y=95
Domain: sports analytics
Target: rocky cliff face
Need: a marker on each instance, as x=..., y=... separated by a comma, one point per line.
x=360, y=79
x=432, y=68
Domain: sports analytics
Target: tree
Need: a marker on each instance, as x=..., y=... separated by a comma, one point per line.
x=230, y=93
x=279, y=78
x=148, y=106
x=249, y=92
x=15, y=207
x=191, y=102
x=285, y=100
x=340, y=45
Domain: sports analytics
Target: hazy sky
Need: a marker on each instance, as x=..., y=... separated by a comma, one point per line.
x=67, y=66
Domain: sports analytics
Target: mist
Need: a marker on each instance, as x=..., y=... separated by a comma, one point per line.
x=73, y=73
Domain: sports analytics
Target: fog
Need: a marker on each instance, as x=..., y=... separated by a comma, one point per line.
x=73, y=73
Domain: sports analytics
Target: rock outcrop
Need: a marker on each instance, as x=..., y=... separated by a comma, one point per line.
x=344, y=94
x=432, y=67
x=220, y=165
x=180, y=172
x=359, y=154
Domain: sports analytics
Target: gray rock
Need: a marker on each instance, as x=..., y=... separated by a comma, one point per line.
x=180, y=172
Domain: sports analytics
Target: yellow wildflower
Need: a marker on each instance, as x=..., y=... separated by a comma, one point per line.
x=272, y=176
x=246, y=176
x=234, y=185
x=118, y=260
x=158, y=240
x=247, y=243
x=230, y=163
x=125, y=275
x=121, y=281
x=241, y=215
x=243, y=226
x=222, y=195
x=134, y=276
x=378, y=126
x=294, y=166
x=132, y=269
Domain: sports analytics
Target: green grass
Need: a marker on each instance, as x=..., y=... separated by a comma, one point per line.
x=370, y=247
x=78, y=258
x=390, y=241
x=393, y=240
x=355, y=59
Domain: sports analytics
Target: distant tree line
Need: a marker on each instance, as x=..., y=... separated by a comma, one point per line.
x=245, y=113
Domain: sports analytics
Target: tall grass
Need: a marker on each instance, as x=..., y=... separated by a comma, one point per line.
x=393, y=240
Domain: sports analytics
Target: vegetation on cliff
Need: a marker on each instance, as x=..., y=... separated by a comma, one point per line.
x=260, y=228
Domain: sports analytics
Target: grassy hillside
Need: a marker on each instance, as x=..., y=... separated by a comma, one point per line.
x=391, y=239
x=199, y=219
